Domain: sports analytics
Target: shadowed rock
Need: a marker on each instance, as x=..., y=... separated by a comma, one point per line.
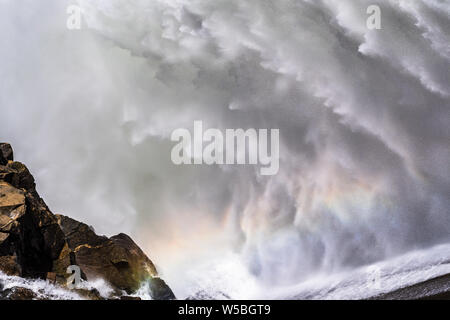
x=6, y=153
x=17, y=293
x=10, y=266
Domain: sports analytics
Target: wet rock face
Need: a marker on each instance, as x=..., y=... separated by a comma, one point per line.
x=35, y=243
x=17, y=293
x=117, y=260
x=6, y=153
x=10, y=266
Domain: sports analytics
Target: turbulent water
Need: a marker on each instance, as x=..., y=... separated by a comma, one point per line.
x=42, y=289
x=358, y=283
x=229, y=279
x=364, y=119
x=46, y=290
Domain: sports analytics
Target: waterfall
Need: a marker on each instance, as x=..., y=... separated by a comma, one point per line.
x=363, y=117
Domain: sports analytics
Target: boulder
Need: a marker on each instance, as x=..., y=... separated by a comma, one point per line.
x=90, y=294
x=10, y=266
x=6, y=153
x=160, y=290
x=117, y=260
x=6, y=173
x=18, y=293
x=21, y=177
x=12, y=206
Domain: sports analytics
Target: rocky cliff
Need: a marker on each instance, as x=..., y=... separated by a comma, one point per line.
x=35, y=243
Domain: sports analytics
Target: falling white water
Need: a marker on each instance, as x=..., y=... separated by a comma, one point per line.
x=364, y=119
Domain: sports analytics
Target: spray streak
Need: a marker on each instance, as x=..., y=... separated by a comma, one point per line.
x=364, y=119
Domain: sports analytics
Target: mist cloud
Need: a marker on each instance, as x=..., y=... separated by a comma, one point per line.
x=363, y=116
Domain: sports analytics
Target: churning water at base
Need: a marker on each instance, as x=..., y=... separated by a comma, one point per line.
x=41, y=288
x=227, y=278
x=45, y=290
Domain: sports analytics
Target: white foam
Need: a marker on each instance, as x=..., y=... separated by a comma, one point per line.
x=43, y=289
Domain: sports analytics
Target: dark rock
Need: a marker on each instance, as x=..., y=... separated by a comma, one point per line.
x=40, y=240
x=21, y=177
x=19, y=293
x=12, y=206
x=28, y=230
x=437, y=288
x=130, y=298
x=117, y=260
x=5, y=244
x=159, y=290
x=51, y=277
x=60, y=265
x=10, y=266
x=77, y=233
x=91, y=294
x=7, y=174
x=6, y=153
